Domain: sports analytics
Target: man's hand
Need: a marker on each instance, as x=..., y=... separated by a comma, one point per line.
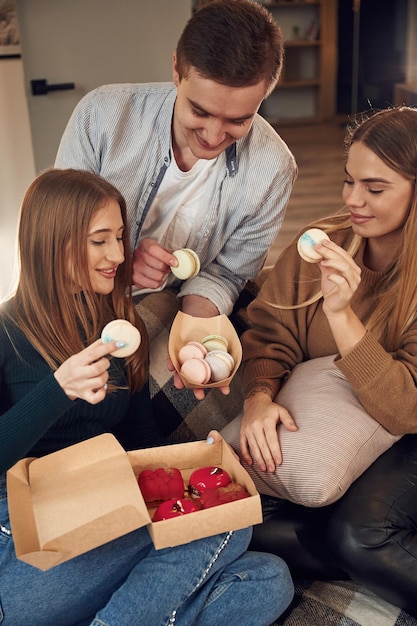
x=151, y=264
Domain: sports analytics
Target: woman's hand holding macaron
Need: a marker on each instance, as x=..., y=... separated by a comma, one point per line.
x=308, y=241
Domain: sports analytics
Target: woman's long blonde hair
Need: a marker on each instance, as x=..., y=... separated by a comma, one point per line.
x=392, y=135
x=54, y=221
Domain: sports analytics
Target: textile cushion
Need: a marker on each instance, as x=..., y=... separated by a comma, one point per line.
x=336, y=441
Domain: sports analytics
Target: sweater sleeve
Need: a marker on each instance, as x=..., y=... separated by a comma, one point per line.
x=386, y=384
x=277, y=339
x=31, y=399
x=22, y=425
x=138, y=428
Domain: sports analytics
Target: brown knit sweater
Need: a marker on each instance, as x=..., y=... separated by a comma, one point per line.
x=385, y=383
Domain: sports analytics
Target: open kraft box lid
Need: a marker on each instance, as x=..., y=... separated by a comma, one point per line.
x=69, y=502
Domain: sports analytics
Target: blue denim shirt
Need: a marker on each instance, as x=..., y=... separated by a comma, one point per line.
x=123, y=133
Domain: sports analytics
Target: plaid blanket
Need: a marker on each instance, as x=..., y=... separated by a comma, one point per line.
x=182, y=418
x=340, y=603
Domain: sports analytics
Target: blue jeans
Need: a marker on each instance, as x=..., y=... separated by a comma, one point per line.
x=127, y=582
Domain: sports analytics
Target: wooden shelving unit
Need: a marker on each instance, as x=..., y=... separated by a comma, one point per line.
x=306, y=91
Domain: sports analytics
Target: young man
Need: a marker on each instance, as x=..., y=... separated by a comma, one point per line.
x=198, y=167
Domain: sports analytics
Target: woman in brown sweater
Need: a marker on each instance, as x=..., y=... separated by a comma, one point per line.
x=359, y=303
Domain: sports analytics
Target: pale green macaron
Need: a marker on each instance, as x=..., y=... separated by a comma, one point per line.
x=215, y=342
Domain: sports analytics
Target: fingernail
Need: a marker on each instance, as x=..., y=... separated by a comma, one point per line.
x=121, y=344
x=107, y=339
x=210, y=440
x=105, y=386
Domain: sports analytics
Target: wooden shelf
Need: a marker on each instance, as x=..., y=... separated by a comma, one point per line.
x=297, y=84
x=290, y=3
x=302, y=43
x=307, y=88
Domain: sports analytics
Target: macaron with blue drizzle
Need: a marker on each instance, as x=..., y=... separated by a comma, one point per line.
x=306, y=243
x=127, y=336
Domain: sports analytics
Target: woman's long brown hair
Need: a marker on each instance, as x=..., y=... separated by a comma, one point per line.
x=54, y=220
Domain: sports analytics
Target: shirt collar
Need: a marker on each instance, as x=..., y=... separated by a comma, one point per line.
x=231, y=159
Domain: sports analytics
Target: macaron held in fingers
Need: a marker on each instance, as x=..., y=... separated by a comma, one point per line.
x=306, y=243
x=124, y=332
x=188, y=264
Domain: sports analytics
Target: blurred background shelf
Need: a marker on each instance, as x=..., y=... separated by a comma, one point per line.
x=306, y=91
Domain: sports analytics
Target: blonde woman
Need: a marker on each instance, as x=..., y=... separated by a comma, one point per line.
x=358, y=303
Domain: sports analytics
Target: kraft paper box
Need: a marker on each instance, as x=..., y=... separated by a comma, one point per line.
x=187, y=328
x=187, y=457
x=69, y=502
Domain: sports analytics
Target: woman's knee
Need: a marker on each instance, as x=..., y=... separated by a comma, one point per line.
x=273, y=579
x=379, y=511
x=257, y=586
x=377, y=553
x=372, y=532
x=363, y=531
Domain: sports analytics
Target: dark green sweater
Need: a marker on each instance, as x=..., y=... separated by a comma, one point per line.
x=37, y=417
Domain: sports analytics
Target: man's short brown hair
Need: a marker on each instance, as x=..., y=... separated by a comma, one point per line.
x=233, y=42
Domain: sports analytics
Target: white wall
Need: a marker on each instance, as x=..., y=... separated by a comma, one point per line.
x=17, y=168
x=90, y=43
x=87, y=42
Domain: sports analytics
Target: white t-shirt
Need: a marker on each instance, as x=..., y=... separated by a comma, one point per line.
x=177, y=209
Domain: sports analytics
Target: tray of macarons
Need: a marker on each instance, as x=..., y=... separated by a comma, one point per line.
x=205, y=351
